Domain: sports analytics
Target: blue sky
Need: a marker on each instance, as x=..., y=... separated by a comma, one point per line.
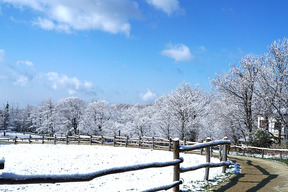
x=127, y=51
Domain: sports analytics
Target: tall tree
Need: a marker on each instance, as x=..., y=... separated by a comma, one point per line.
x=96, y=116
x=5, y=118
x=69, y=113
x=164, y=119
x=275, y=83
x=238, y=85
x=188, y=105
x=140, y=121
x=48, y=117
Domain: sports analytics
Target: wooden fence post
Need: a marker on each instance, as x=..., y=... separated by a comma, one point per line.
x=153, y=144
x=225, y=150
x=91, y=137
x=262, y=153
x=102, y=140
x=184, y=143
x=170, y=144
x=201, y=150
x=55, y=139
x=43, y=139
x=211, y=152
x=280, y=155
x=78, y=139
x=114, y=140
x=220, y=152
x=208, y=153
x=67, y=140
x=176, y=173
x=126, y=143
x=30, y=137
x=15, y=140
x=139, y=142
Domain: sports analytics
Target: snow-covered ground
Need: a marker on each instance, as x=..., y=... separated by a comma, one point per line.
x=69, y=159
x=13, y=134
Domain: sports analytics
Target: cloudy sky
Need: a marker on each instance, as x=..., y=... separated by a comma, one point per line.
x=126, y=51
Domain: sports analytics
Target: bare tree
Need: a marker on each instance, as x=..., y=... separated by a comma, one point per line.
x=275, y=83
x=238, y=85
x=187, y=105
x=47, y=114
x=69, y=113
x=96, y=116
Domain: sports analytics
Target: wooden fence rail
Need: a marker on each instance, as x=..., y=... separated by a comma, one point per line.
x=141, y=142
x=208, y=150
x=260, y=150
x=9, y=178
x=150, y=142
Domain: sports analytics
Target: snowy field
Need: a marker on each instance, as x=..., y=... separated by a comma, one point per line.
x=69, y=159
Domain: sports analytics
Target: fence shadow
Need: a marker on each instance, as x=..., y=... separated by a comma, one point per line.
x=236, y=179
x=264, y=181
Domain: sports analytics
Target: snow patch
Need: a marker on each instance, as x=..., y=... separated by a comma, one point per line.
x=80, y=159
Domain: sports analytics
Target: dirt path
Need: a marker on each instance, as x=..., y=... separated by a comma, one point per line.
x=257, y=175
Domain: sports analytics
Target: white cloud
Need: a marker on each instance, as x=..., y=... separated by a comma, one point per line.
x=107, y=15
x=26, y=62
x=148, y=96
x=179, y=52
x=15, y=74
x=88, y=85
x=73, y=85
x=21, y=80
x=168, y=6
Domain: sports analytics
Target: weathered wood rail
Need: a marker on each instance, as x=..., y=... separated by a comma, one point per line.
x=141, y=142
x=259, y=150
x=146, y=142
x=223, y=151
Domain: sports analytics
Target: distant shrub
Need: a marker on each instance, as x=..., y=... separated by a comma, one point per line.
x=260, y=138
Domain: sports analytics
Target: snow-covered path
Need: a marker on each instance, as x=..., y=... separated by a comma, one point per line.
x=70, y=159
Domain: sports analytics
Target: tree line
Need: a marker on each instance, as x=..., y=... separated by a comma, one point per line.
x=255, y=87
x=178, y=114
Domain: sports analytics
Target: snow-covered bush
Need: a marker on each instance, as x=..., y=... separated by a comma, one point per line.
x=260, y=138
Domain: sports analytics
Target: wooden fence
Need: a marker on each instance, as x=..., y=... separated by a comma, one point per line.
x=151, y=142
x=259, y=150
x=141, y=142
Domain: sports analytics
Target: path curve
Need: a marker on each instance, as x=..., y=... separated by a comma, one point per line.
x=257, y=175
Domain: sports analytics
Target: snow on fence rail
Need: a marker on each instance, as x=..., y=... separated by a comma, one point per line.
x=10, y=178
x=145, y=142
x=261, y=150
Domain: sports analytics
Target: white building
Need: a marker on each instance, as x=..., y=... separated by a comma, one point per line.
x=272, y=126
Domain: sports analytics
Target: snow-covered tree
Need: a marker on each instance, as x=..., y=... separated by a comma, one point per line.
x=187, y=106
x=96, y=117
x=226, y=122
x=164, y=120
x=69, y=114
x=275, y=82
x=140, y=123
x=238, y=85
x=47, y=114
x=15, y=117
x=5, y=117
